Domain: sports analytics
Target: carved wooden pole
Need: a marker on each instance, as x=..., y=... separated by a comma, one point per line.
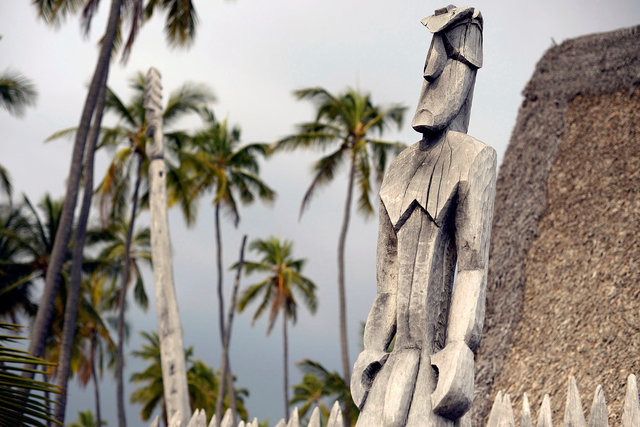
x=174, y=374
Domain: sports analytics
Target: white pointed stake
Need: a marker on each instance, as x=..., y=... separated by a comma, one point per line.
x=294, y=420
x=227, y=420
x=198, y=419
x=212, y=423
x=631, y=408
x=495, y=414
x=254, y=423
x=176, y=420
x=508, y=419
x=599, y=416
x=314, y=421
x=544, y=418
x=525, y=419
x=335, y=418
x=573, y=415
x=241, y=423
x=155, y=422
x=281, y=423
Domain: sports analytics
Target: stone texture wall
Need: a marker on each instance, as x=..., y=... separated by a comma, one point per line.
x=564, y=273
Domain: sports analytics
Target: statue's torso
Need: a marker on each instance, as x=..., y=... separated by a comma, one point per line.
x=420, y=193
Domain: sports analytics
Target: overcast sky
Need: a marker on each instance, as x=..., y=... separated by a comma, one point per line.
x=253, y=54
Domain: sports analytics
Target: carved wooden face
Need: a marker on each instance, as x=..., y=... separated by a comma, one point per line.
x=449, y=74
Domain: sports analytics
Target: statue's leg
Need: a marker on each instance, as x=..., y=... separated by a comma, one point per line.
x=371, y=412
x=399, y=391
x=420, y=413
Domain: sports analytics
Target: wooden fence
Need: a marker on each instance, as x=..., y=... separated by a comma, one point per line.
x=501, y=414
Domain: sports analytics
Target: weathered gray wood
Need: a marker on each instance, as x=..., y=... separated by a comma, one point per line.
x=544, y=417
x=501, y=414
x=496, y=411
x=525, y=419
x=314, y=421
x=198, y=419
x=174, y=373
x=335, y=417
x=294, y=419
x=436, y=206
x=631, y=408
x=507, y=408
x=599, y=415
x=573, y=414
x=176, y=420
x=227, y=420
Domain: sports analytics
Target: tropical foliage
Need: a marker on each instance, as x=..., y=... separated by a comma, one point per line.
x=345, y=124
x=321, y=388
x=279, y=291
x=23, y=400
x=218, y=162
x=16, y=92
x=202, y=381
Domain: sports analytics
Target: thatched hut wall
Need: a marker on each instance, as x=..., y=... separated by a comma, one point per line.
x=564, y=271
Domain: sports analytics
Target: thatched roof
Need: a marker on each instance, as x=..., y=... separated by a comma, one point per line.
x=564, y=271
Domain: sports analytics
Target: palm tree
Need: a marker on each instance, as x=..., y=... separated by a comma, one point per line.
x=99, y=297
x=348, y=120
x=131, y=163
x=18, y=405
x=203, y=382
x=16, y=92
x=318, y=384
x=278, y=290
x=218, y=162
x=16, y=272
x=180, y=29
x=87, y=419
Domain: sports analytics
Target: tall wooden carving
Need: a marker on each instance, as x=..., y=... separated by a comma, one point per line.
x=174, y=374
x=436, y=206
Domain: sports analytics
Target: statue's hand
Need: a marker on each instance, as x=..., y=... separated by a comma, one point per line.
x=367, y=366
x=454, y=391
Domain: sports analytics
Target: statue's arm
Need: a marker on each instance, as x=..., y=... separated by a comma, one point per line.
x=381, y=322
x=454, y=392
x=473, y=230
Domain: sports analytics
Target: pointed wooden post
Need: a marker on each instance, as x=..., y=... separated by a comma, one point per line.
x=525, y=419
x=508, y=419
x=227, y=420
x=496, y=409
x=599, y=416
x=174, y=374
x=314, y=421
x=573, y=415
x=335, y=418
x=631, y=408
x=544, y=418
x=294, y=419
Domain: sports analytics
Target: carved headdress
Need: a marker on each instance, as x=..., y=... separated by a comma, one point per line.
x=457, y=33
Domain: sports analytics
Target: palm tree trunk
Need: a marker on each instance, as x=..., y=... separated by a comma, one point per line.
x=71, y=307
x=122, y=420
x=285, y=347
x=96, y=387
x=219, y=264
x=226, y=374
x=342, y=304
x=45, y=311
